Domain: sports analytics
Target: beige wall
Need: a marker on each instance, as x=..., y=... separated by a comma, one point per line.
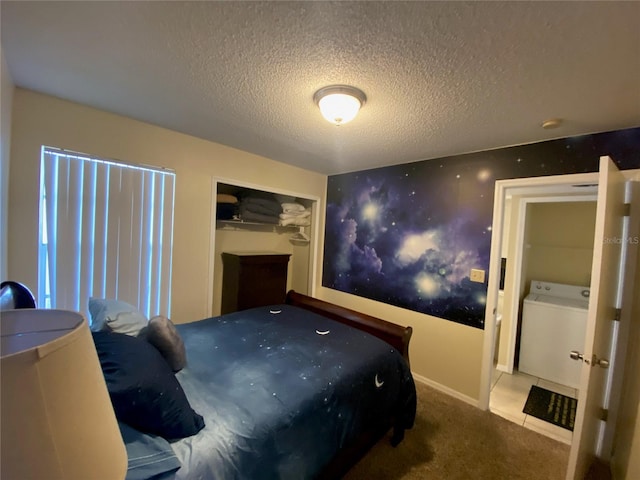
x=43, y=120
x=560, y=242
x=267, y=238
x=445, y=354
x=633, y=451
x=6, y=101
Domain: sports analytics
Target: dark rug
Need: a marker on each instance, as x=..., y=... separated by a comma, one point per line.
x=551, y=407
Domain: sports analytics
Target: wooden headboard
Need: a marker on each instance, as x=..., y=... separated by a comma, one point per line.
x=395, y=335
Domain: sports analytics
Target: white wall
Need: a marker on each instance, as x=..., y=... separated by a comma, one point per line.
x=510, y=228
x=6, y=101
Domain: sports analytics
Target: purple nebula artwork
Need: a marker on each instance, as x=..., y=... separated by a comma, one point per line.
x=408, y=235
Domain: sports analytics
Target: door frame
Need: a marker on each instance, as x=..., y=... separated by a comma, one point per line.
x=501, y=189
x=630, y=253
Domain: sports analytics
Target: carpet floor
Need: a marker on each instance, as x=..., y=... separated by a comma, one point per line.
x=452, y=440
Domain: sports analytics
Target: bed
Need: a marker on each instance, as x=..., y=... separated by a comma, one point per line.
x=294, y=391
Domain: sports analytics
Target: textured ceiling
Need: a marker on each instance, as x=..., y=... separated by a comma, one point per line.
x=441, y=78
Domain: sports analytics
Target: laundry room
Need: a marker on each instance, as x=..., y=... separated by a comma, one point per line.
x=557, y=269
x=542, y=307
x=547, y=239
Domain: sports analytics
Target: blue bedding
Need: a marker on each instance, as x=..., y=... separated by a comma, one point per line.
x=147, y=455
x=281, y=390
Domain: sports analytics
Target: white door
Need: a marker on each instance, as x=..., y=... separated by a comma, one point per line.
x=604, y=284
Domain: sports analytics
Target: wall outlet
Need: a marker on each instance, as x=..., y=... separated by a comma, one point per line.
x=477, y=275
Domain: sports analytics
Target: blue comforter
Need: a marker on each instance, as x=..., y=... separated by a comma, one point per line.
x=281, y=390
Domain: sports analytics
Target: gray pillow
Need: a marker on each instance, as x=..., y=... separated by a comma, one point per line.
x=115, y=316
x=162, y=334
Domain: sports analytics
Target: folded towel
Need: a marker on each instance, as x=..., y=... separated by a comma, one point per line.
x=304, y=214
x=284, y=198
x=292, y=207
x=250, y=216
x=261, y=205
x=226, y=198
x=259, y=208
x=302, y=222
x=244, y=194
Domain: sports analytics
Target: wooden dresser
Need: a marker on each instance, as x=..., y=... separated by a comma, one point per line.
x=253, y=279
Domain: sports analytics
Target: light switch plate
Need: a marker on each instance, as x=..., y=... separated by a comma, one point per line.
x=477, y=275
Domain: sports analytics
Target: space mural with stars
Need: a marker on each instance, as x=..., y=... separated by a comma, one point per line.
x=408, y=235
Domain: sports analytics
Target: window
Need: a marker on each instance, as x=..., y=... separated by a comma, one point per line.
x=105, y=231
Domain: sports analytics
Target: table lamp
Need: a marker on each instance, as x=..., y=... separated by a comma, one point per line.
x=57, y=419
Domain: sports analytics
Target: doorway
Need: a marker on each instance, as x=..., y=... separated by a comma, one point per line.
x=607, y=303
x=542, y=189
x=548, y=237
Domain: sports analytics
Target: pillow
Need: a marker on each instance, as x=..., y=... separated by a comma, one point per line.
x=162, y=334
x=144, y=391
x=116, y=316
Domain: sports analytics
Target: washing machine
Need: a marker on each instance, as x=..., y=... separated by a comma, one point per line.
x=554, y=322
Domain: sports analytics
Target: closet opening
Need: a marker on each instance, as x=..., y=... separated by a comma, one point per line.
x=248, y=219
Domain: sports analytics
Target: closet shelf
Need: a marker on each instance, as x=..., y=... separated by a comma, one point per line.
x=298, y=235
x=241, y=223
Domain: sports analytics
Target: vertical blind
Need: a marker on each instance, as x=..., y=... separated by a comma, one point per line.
x=106, y=230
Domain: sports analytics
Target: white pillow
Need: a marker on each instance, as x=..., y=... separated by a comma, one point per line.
x=115, y=316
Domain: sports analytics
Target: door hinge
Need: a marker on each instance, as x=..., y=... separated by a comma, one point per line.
x=626, y=210
x=603, y=414
x=617, y=313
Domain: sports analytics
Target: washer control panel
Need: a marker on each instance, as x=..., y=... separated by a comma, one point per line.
x=576, y=292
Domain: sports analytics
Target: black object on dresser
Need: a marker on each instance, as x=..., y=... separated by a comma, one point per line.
x=253, y=279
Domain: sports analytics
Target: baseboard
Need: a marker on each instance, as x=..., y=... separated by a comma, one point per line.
x=502, y=368
x=445, y=389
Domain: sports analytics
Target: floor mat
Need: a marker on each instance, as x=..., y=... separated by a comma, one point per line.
x=551, y=407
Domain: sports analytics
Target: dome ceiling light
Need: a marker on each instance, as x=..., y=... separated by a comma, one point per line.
x=339, y=104
x=551, y=123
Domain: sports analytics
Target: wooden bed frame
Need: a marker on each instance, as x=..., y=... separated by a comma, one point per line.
x=396, y=336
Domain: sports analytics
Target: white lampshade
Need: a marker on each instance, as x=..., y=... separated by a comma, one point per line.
x=339, y=104
x=57, y=419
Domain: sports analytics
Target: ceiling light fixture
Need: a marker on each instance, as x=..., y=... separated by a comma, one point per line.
x=339, y=104
x=551, y=123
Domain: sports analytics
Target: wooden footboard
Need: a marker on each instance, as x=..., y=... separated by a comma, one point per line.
x=395, y=335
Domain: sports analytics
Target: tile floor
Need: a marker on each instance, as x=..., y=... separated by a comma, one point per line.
x=509, y=394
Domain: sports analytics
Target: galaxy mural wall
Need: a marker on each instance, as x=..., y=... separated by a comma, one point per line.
x=409, y=235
